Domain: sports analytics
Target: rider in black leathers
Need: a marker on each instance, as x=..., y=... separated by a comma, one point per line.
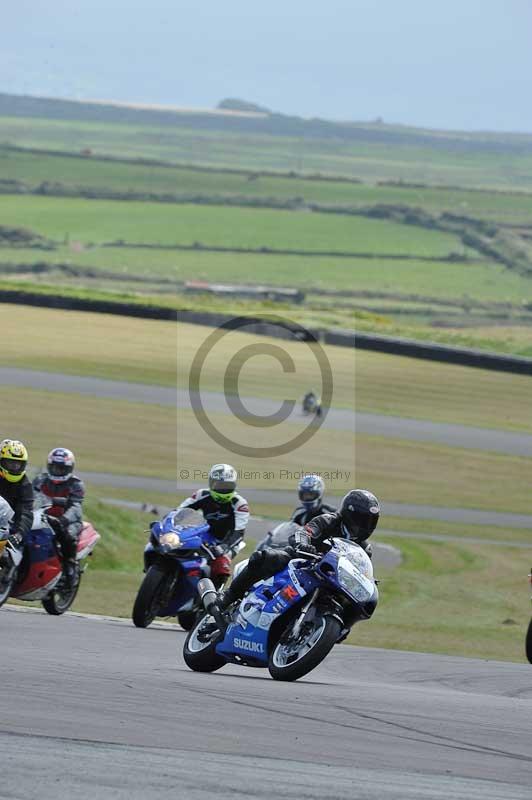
x=356, y=520
x=16, y=488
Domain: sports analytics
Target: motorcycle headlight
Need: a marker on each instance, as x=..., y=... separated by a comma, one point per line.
x=357, y=586
x=170, y=540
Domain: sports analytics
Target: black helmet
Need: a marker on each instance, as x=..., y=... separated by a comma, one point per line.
x=359, y=512
x=310, y=491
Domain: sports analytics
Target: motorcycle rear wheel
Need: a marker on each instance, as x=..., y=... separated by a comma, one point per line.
x=528, y=642
x=62, y=597
x=292, y=658
x=201, y=656
x=148, y=600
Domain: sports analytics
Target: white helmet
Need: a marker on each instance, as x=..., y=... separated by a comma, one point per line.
x=222, y=482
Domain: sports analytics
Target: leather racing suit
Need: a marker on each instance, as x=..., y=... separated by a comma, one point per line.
x=265, y=563
x=228, y=523
x=66, y=514
x=19, y=495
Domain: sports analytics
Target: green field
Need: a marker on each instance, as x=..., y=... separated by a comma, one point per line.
x=469, y=161
x=401, y=278
x=401, y=281
x=152, y=223
x=33, y=169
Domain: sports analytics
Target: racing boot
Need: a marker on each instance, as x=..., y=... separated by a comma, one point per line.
x=70, y=571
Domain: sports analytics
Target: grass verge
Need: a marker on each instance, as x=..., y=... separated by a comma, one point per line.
x=457, y=599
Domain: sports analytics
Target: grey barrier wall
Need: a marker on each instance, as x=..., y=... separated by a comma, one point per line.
x=481, y=359
x=343, y=338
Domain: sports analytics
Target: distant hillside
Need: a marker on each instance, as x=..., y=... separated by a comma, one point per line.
x=264, y=124
x=234, y=104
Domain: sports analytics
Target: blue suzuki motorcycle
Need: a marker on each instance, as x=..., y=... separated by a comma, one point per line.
x=177, y=556
x=288, y=623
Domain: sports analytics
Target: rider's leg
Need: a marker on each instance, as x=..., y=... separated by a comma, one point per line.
x=261, y=565
x=220, y=571
x=68, y=539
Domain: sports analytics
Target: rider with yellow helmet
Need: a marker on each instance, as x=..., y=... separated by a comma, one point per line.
x=16, y=488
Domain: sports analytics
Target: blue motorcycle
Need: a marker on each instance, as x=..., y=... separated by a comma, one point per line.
x=288, y=623
x=177, y=556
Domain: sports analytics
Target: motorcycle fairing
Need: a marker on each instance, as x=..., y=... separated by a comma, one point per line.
x=42, y=567
x=186, y=587
x=246, y=638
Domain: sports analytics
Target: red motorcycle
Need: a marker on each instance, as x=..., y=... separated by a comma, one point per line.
x=37, y=572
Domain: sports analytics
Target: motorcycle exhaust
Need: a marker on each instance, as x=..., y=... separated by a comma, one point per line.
x=207, y=593
x=209, y=596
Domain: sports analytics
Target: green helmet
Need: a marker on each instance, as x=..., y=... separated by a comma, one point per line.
x=222, y=482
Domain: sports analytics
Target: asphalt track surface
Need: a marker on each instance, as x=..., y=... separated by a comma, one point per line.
x=487, y=439
x=98, y=709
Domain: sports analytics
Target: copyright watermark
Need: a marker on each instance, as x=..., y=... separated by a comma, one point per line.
x=339, y=475
x=272, y=413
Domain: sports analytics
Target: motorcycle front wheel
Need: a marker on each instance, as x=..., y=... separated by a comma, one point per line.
x=62, y=597
x=294, y=656
x=199, y=650
x=150, y=595
x=528, y=642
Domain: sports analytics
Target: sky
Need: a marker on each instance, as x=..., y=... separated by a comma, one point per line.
x=453, y=64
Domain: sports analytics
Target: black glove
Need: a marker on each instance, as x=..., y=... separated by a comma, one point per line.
x=63, y=523
x=15, y=539
x=301, y=550
x=300, y=538
x=61, y=502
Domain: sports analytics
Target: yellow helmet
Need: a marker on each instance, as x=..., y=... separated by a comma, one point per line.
x=13, y=460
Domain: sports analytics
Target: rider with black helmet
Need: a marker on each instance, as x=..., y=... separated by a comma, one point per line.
x=310, y=491
x=355, y=520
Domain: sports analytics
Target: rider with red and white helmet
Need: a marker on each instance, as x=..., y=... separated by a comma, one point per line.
x=66, y=492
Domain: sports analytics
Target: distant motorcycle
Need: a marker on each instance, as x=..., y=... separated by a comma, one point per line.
x=177, y=555
x=528, y=640
x=37, y=572
x=311, y=404
x=288, y=623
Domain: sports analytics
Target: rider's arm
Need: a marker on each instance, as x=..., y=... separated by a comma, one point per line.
x=23, y=519
x=241, y=513
x=319, y=528
x=195, y=500
x=73, y=512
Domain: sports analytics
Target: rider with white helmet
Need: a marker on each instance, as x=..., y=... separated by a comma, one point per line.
x=227, y=514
